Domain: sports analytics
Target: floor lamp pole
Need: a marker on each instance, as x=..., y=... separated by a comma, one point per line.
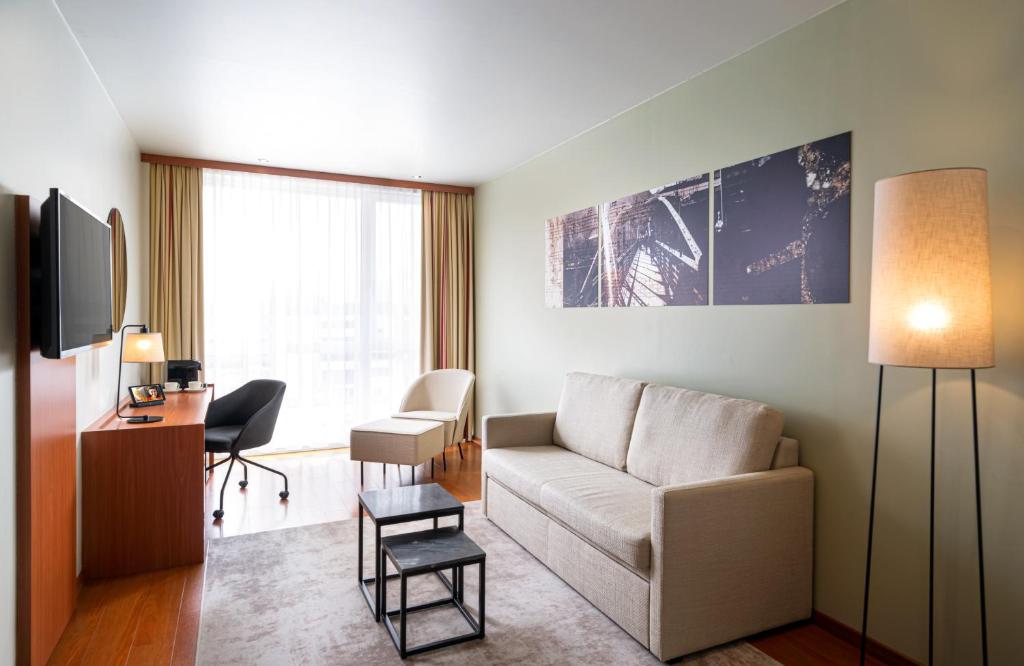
x=977, y=500
x=871, y=521
x=931, y=533
x=931, y=519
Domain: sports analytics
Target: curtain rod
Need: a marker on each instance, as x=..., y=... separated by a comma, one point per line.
x=303, y=173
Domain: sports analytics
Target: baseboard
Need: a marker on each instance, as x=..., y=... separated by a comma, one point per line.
x=879, y=651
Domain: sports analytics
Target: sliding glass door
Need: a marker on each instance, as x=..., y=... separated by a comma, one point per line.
x=315, y=283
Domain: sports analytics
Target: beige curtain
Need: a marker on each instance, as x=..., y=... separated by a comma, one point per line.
x=447, y=328
x=176, y=261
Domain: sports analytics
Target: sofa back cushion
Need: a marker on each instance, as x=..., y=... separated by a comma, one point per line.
x=595, y=416
x=682, y=436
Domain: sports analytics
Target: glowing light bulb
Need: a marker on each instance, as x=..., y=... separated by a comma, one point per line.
x=929, y=316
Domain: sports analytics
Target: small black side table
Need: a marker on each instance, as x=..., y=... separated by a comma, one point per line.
x=400, y=505
x=432, y=551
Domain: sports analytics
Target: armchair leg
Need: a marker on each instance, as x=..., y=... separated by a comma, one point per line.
x=461, y=457
x=245, y=472
x=219, y=513
x=444, y=460
x=283, y=493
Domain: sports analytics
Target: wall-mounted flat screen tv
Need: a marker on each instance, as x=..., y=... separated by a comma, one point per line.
x=74, y=270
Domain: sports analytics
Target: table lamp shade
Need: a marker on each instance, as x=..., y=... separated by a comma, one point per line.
x=931, y=285
x=143, y=348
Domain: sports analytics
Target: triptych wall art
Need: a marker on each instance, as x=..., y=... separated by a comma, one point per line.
x=781, y=235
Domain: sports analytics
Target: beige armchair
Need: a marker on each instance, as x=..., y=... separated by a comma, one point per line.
x=443, y=396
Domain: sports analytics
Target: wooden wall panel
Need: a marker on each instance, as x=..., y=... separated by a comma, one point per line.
x=45, y=441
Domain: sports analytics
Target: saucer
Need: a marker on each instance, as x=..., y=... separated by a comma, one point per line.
x=167, y=390
x=192, y=390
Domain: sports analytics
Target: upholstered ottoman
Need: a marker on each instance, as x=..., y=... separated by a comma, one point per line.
x=398, y=442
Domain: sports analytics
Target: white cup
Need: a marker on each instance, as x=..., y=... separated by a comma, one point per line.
x=171, y=386
x=195, y=386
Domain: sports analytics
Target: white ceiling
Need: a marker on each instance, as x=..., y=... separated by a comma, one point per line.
x=453, y=91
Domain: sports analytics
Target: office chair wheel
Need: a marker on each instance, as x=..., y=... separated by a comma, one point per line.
x=283, y=494
x=243, y=484
x=218, y=514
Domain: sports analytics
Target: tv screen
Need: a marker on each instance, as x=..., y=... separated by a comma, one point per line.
x=75, y=272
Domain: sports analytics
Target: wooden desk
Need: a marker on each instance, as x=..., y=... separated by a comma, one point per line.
x=143, y=489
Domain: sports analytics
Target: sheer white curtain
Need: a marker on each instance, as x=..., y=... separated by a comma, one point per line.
x=315, y=283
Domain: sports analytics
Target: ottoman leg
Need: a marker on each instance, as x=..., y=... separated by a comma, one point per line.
x=361, y=472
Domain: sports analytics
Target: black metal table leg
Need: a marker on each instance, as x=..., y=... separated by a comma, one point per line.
x=382, y=593
x=379, y=583
x=404, y=598
x=482, y=595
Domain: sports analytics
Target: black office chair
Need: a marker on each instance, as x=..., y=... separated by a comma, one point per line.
x=244, y=419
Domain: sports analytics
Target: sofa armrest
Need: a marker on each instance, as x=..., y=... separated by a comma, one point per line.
x=528, y=429
x=730, y=557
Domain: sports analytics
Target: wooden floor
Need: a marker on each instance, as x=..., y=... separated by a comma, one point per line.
x=153, y=618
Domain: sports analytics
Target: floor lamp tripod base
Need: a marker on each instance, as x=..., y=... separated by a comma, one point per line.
x=931, y=535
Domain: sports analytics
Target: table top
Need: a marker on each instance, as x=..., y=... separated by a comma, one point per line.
x=179, y=409
x=431, y=550
x=408, y=503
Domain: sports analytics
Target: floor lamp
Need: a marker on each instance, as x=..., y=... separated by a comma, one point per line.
x=931, y=307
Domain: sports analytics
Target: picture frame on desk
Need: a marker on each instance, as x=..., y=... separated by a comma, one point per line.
x=147, y=395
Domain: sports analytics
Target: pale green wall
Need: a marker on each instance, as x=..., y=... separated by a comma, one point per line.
x=921, y=85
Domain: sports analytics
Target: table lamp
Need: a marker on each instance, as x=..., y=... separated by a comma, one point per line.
x=141, y=347
x=931, y=307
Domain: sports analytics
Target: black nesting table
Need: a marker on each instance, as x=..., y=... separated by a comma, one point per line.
x=432, y=551
x=401, y=505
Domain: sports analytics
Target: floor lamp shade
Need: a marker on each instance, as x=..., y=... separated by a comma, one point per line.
x=931, y=285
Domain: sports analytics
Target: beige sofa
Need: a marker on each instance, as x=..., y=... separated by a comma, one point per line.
x=683, y=516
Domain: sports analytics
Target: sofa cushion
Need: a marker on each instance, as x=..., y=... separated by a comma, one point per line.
x=682, y=436
x=595, y=416
x=525, y=469
x=610, y=509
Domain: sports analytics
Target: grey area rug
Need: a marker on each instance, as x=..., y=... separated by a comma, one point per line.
x=290, y=597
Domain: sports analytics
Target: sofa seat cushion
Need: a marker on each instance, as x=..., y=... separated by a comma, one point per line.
x=595, y=416
x=610, y=509
x=682, y=436
x=525, y=469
